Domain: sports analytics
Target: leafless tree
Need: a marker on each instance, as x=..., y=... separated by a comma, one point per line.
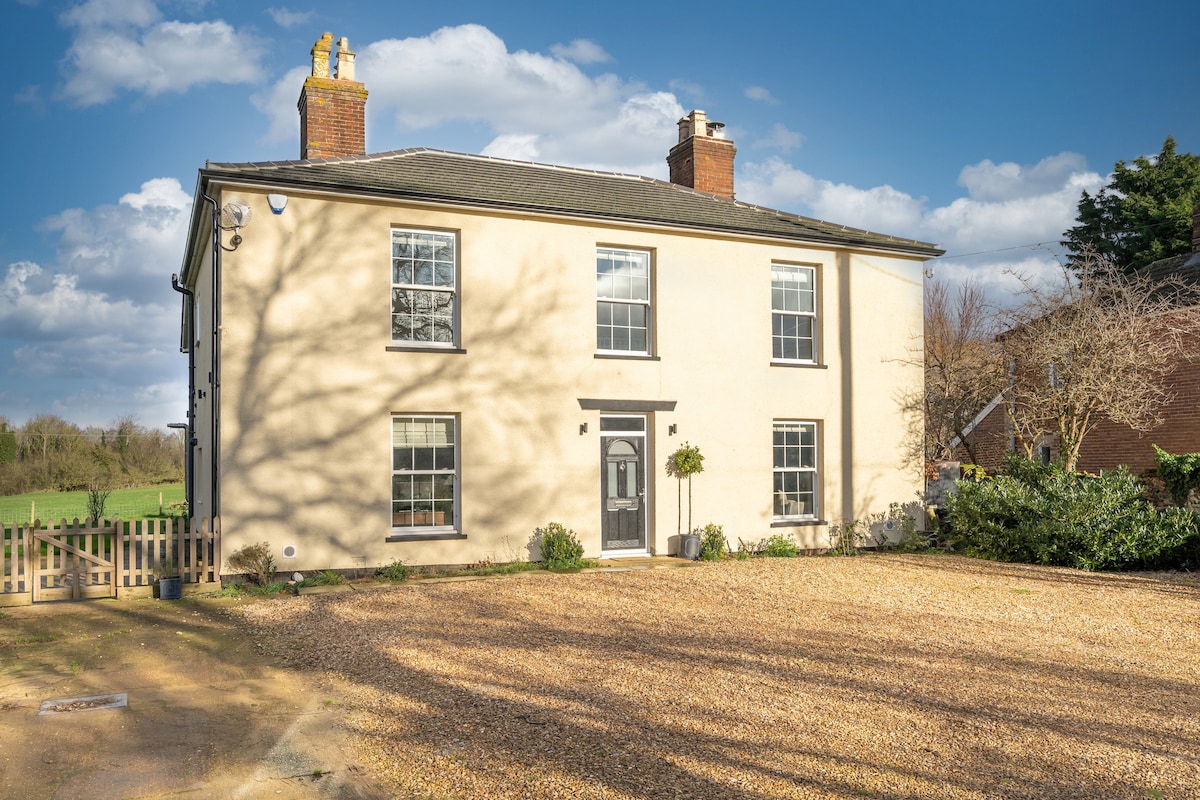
x=963, y=370
x=1094, y=346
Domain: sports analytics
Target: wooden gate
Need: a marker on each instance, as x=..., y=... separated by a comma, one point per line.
x=73, y=563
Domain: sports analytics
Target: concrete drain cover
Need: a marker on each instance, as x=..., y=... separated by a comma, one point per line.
x=83, y=704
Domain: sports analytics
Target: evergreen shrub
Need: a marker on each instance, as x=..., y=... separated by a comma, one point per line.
x=712, y=542
x=1042, y=514
x=559, y=546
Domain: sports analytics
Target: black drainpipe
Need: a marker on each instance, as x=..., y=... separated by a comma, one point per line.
x=214, y=377
x=190, y=466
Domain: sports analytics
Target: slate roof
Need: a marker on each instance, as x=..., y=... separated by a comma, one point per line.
x=1184, y=267
x=468, y=180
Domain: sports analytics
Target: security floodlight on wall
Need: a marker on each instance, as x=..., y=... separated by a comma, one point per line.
x=234, y=217
x=278, y=202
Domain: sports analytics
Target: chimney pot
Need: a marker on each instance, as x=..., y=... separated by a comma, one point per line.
x=320, y=56
x=345, y=61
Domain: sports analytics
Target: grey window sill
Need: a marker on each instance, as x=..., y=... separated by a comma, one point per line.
x=424, y=537
x=798, y=365
x=797, y=523
x=393, y=348
x=630, y=357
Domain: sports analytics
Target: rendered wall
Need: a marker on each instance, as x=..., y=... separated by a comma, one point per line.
x=201, y=284
x=308, y=386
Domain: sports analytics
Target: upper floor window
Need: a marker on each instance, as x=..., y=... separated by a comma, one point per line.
x=622, y=301
x=793, y=313
x=424, y=277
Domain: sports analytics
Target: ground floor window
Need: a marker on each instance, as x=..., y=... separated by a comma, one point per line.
x=424, y=472
x=795, y=468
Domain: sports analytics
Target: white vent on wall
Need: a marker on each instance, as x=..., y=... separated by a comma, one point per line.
x=289, y=551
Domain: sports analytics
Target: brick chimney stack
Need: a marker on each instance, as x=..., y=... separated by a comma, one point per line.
x=703, y=159
x=332, y=110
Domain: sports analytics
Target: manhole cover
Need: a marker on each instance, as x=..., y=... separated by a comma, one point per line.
x=83, y=704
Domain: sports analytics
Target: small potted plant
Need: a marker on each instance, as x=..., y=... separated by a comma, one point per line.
x=170, y=582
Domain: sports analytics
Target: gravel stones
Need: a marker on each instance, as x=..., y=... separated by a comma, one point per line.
x=874, y=676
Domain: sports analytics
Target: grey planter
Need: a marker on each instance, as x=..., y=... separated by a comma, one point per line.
x=170, y=588
x=689, y=546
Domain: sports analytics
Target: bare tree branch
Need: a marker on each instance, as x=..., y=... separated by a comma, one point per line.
x=962, y=368
x=1094, y=347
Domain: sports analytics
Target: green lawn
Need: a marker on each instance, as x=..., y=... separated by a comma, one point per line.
x=137, y=503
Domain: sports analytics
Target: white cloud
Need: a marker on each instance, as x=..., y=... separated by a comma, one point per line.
x=760, y=94
x=125, y=45
x=780, y=138
x=286, y=18
x=987, y=181
x=1007, y=210
x=581, y=51
x=95, y=329
x=1010, y=221
x=777, y=184
x=42, y=306
x=131, y=247
x=514, y=146
x=1008, y=205
x=278, y=102
x=1002, y=280
x=536, y=106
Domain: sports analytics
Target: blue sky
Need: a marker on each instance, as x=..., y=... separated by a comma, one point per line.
x=971, y=125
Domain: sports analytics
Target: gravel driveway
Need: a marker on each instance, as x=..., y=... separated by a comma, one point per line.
x=875, y=676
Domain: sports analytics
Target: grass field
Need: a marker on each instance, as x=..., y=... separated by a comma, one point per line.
x=140, y=503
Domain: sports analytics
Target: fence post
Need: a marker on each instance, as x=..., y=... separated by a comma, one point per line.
x=27, y=540
x=195, y=533
x=181, y=551
x=119, y=554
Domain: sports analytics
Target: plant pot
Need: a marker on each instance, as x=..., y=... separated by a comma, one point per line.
x=170, y=588
x=689, y=546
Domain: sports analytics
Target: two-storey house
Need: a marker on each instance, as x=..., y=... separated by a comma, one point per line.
x=423, y=355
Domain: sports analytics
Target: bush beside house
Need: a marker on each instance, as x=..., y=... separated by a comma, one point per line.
x=1042, y=514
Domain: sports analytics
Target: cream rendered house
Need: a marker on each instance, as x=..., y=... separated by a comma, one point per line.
x=423, y=355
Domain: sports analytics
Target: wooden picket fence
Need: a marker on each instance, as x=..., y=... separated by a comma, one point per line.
x=76, y=561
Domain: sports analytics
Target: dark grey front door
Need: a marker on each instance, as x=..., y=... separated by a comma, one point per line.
x=623, y=492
